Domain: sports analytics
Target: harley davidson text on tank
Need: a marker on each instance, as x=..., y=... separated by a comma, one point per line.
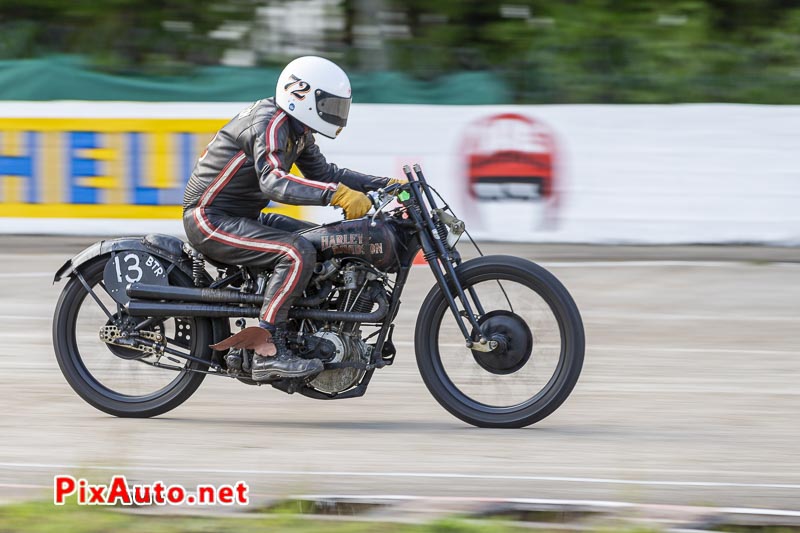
x=499, y=341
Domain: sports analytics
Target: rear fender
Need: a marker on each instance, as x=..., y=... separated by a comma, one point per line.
x=165, y=247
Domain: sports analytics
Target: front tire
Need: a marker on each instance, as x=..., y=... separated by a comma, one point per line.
x=87, y=383
x=469, y=401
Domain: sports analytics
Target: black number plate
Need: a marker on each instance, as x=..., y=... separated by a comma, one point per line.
x=128, y=267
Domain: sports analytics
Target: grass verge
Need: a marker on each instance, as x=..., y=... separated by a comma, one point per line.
x=41, y=517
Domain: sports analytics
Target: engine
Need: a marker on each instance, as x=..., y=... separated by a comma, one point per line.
x=356, y=288
x=346, y=348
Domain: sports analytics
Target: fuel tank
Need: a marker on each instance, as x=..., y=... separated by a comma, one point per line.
x=377, y=244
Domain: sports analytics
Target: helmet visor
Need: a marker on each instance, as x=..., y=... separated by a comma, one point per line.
x=332, y=109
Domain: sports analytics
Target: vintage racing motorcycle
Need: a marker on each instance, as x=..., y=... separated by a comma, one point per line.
x=499, y=341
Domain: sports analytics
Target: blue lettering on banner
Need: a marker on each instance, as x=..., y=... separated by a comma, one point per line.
x=22, y=166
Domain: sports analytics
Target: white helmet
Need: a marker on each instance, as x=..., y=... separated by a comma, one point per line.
x=316, y=92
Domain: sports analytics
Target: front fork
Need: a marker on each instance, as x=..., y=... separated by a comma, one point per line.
x=443, y=262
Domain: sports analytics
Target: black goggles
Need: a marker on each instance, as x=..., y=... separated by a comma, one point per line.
x=331, y=108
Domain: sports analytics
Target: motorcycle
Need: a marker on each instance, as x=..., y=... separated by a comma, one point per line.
x=499, y=341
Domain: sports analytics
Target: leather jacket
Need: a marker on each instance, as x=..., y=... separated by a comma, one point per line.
x=271, y=142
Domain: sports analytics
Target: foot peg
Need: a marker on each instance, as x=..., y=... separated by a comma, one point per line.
x=234, y=360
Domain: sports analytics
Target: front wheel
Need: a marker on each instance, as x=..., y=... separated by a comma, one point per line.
x=539, y=341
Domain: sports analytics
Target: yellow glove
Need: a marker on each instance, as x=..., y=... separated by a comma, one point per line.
x=396, y=181
x=354, y=203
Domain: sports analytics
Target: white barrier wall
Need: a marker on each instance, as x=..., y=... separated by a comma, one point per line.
x=639, y=174
x=572, y=173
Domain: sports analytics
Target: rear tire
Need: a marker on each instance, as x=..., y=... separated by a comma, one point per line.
x=435, y=310
x=88, y=387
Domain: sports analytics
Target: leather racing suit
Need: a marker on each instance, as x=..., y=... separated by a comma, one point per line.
x=245, y=166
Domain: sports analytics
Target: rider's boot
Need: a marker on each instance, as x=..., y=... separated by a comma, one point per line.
x=285, y=364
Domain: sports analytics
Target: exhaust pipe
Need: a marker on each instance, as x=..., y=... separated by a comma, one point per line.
x=145, y=291
x=343, y=316
x=170, y=309
x=192, y=294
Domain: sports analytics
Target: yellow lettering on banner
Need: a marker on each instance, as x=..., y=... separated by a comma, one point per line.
x=12, y=146
x=103, y=181
x=160, y=159
x=99, y=154
x=12, y=188
x=98, y=182
x=18, y=210
x=52, y=167
x=200, y=144
x=115, y=125
x=115, y=167
x=160, y=151
x=12, y=185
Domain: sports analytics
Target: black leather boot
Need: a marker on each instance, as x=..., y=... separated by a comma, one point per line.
x=285, y=364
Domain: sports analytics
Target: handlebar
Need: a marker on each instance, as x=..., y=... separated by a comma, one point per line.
x=380, y=199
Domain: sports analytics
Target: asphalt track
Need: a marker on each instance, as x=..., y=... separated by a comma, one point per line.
x=689, y=395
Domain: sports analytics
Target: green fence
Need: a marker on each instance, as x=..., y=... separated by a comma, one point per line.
x=68, y=78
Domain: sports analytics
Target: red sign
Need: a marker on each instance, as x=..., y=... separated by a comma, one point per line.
x=510, y=158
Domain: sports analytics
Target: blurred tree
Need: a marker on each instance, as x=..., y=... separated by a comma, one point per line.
x=571, y=51
x=611, y=50
x=153, y=36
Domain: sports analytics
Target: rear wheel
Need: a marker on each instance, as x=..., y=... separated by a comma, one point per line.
x=118, y=380
x=538, y=338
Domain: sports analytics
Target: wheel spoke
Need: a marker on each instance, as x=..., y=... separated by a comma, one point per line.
x=119, y=378
x=117, y=371
x=94, y=296
x=505, y=294
x=517, y=375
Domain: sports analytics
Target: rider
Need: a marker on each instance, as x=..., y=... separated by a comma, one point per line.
x=245, y=166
